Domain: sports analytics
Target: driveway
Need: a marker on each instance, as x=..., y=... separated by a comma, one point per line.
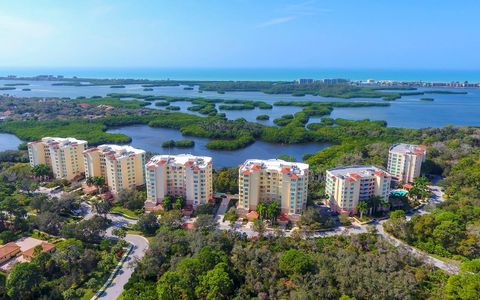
x=115, y=289
x=140, y=246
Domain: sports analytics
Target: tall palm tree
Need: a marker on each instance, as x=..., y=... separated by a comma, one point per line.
x=273, y=210
x=362, y=208
x=261, y=210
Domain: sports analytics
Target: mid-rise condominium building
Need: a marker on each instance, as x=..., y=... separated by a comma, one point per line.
x=179, y=175
x=346, y=186
x=63, y=155
x=122, y=167
x=405, y=161
x=273, y=180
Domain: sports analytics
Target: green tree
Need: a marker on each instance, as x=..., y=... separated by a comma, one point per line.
x=362, y=208
x=273, y=210
x=102, y=207
x=216, y=284
x=169, y=287
x=41, y=171
x=179, y=203
x=205, y=223
x=148, y=224
x=262, y=210
x=24, y=281
x=97, y=181
x=463, y=287
x=121, y=233
x=295, y=262
x=259, y=227
x=167, y=202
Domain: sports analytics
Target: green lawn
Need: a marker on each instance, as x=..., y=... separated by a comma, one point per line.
x=125, y=211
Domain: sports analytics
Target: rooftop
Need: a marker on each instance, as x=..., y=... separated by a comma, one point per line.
x=187, y=160
x=277, y=165
x=61, y=142
x=353, y=173
x=116, y=151
x=408, y=149
x=8, y=249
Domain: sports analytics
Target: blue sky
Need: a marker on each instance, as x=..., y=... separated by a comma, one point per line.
x=428, y=34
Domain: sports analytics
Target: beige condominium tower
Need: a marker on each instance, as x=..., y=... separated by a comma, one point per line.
x=121, y=166
x=63, y=155
x=405, y=161
x=179, y=175
x=346, y=186
x=273, y=180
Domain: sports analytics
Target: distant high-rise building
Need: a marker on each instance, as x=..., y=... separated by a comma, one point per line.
x=122, y=167
x=405, y=161
x=273, y=180
x=63, y=155
x=334, y=81
x=179, y=175
x=347, y=186
x=306, y=81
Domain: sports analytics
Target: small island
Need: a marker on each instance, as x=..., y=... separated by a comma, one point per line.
x=117, y=86
x=178, y=144
x=171, y=107
x=426, y=99
x=263, y=118
x=7, y=88
x=188, y=88
x=162, y=103
x=16, y=84
x=147, y=89
x=26, y=90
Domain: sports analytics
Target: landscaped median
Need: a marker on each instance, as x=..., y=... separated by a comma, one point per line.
x=114, y=272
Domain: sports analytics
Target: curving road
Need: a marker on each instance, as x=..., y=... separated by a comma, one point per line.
x=140, y=246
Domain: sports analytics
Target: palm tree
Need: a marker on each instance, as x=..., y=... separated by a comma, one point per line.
x=374, y=202
x=97, y=181
x=273, y=210
x=261, y=210
x=362, y=208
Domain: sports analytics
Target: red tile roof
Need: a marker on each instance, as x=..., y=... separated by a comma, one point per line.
x=285, y=170
x=256, y=167
x=9, y=249
x=253, y=215
x=45, y=248
x=355, y=175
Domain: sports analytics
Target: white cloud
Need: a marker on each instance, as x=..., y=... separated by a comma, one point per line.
x=295, y=11
x=277, y=21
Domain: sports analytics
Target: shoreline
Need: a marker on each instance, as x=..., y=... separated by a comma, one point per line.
x=244, y=74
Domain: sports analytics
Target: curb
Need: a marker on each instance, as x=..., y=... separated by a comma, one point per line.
x=114, y=273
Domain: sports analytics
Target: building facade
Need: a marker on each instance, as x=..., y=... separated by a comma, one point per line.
x=122, y=167
x=347, y=186
x=405, y=161
x=179, y=175
x=63, y=155
x=273, y=180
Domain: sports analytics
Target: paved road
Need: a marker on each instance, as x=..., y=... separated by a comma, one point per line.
x=140, y=246
x=436, y=197
x=115, y=289
x=447, y=267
